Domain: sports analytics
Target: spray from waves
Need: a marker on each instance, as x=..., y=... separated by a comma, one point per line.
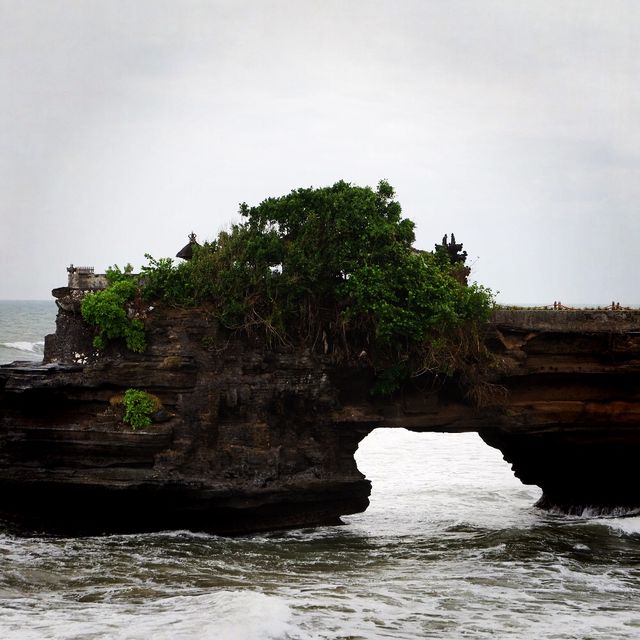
x=223, y=615
x=622, y=520
x=629, y=526
x=592, y=512
x=25, y=347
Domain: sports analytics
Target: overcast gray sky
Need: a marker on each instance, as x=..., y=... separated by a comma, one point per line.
x=124, y=125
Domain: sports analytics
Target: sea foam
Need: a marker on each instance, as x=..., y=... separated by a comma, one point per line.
x=29, y=347
x=221, y=615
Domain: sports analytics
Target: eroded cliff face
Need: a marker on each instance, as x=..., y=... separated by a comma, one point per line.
x=566, y=414
x=571, y=422
x=255, y=437
x=247, y=441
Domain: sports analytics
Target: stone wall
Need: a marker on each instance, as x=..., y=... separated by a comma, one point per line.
x=84, y=279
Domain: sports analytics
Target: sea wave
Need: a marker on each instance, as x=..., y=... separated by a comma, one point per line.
x=627, y=526
x=24, y=346
x=222, y=615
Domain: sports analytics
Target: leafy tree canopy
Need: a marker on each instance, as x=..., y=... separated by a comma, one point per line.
x=334, y=266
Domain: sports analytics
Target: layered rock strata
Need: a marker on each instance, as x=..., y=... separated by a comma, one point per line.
x=571, y=422
x=246, y=443
x=257, y=437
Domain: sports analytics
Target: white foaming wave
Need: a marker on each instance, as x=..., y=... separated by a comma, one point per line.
x=627, y=525
x=595, y=514
x=624, y=520
x=223, y=615
x=29, y=347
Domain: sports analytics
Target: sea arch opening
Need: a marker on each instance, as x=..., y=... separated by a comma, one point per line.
x=420, y=480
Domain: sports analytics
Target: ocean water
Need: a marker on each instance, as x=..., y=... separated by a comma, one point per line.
x=23, y=325
x=451, y=547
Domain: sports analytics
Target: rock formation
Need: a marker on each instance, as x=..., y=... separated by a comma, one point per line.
x=571, y=423
x=255, y=437
x=250, y=443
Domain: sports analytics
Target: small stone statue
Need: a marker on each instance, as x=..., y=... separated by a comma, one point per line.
x=453, y=249
x=457, y=257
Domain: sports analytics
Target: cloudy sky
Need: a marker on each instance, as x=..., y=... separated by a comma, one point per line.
x=124, y=125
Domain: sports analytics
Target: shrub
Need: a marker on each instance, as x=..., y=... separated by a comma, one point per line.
x=108, y=311
x=139, y=406
x=165, y=282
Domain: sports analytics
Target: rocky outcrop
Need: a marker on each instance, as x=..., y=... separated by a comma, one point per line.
x=257, y=437
x=571, y=422
x=249, y=444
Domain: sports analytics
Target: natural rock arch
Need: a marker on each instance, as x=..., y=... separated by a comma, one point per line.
x=263, y=438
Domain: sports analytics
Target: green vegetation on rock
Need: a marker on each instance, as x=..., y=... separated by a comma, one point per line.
x=333, y=268
x=138, y=408
x=111, y=311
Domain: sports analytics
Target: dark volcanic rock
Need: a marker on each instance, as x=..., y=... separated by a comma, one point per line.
x=244, y=442
x=571, y=424
x=252, y=437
